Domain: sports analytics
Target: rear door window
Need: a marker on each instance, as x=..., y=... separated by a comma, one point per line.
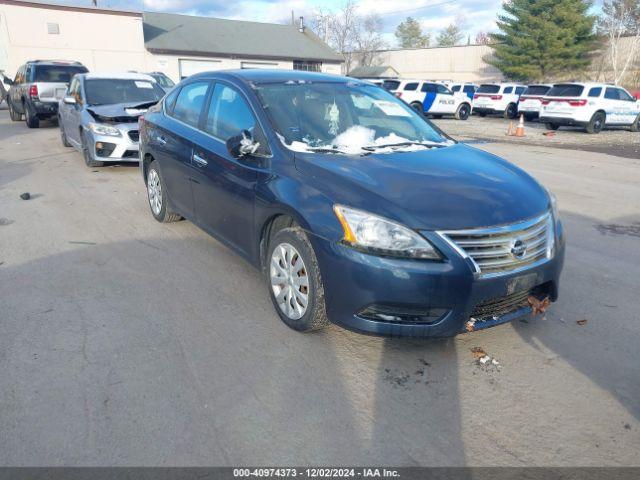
x=595, y=92
x=508, y=90
x=410, y=87
x=566, y=90
x=190, y=102
x=390, y=85
x=56, y=73
x=469, y=89
x=488, y=89
x=520, y=90
x=455, y=88
x=428, y=87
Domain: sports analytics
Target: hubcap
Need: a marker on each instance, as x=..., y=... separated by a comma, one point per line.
x=289, y=281
x=155, y=191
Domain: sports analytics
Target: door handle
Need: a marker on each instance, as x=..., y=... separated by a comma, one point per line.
x=161, y=140
x=199, y=160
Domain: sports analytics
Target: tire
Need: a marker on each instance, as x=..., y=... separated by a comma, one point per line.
x=511, y=111
x=157, y=196
x=530, y=117
x=30, y=116
x=286, y=248
x=63, y=136
x=417, y=106
x=635, y=126
x=89, y=162
x=551, y=126
x=596, y=124
x=463, y=112
x=15, y=116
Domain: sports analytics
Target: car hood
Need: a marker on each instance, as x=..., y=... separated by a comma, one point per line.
x=454, y=187
x=119, y=112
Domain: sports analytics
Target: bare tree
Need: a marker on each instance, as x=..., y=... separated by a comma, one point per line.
x=620, y=18
x=483, y=38
x=369, y=40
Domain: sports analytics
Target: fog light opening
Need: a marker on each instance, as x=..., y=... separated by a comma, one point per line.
x=402, y=314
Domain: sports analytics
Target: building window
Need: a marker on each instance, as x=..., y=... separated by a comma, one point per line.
x=53, y=29
x=307, y=66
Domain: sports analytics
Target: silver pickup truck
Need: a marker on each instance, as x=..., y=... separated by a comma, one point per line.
x=37, y=88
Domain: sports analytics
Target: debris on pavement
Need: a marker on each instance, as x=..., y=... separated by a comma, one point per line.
x=538, y=306
x=483, y=359
x=5, y=221
x=25, y=196
x=582, y=322
x=549, y=134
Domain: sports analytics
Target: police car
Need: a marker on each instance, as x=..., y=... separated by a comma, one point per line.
x=531, y=101
x=499, y=98
x=469, y=89
x=593, y=106
x=434, y=99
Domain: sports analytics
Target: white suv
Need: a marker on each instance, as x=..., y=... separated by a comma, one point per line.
x=590, y=105
x=499, y=98
x=434, y=99
x=530, y=101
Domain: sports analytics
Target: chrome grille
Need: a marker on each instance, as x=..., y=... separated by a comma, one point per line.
x=504, y=249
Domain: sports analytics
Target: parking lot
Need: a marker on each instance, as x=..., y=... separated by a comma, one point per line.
x=620, y=142
x=128, y=342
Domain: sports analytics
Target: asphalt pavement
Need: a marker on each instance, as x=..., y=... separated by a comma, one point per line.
x=128, y=342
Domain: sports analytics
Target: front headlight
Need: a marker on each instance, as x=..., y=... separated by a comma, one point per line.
x=551, y=226
x=553, y=200
x=101, y=129
x=379, y=236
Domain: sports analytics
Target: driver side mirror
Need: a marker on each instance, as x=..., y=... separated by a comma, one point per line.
x=69, y=100
x=242, y=145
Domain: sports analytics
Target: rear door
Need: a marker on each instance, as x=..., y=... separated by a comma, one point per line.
x=172, y=141
x=224, y=186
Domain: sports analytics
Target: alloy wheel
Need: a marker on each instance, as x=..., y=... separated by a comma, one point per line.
x=289, y=281
x=154, y=189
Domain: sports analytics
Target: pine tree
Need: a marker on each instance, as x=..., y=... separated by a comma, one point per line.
x=409, y=34
x=540, y=39
x=450, y=36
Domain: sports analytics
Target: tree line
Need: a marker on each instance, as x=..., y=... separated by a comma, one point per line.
x=535, y=40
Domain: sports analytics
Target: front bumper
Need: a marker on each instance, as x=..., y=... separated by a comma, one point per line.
x=354, y=281
x=124, y=148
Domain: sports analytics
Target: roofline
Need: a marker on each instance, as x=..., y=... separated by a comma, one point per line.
x=71, y=8
x=192, y=53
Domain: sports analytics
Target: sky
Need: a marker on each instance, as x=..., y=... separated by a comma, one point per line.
x=433, y=15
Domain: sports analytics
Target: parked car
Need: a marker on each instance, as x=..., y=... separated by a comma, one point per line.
x=3, y=91
x=99, y=115
x=530, y=101
x=356, y=208
x=37, y=88
x=497, y=98
x=469, y=89
x=593, y=106
x=163, y=80
x=434, y=99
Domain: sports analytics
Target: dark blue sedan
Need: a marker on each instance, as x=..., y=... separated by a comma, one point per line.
x=356, y=209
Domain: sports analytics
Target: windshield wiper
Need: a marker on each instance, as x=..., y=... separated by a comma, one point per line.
x=373, y=148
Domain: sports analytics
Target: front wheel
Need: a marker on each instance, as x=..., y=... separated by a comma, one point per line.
x=551, y=126
x=157, y=195
x=635, y=126
x=15, y=116
x=86, y=153
x=596, y=124
x=417, y=106
x=463, y=112
x=294, y=281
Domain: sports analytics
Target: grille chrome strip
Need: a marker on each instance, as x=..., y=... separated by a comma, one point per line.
x=504, y=249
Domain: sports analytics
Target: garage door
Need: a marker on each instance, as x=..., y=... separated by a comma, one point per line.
x=191, y=67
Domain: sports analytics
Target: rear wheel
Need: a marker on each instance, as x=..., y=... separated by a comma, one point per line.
x=511, y=111
x=30, y=116
x=157, y=195
x=551, y=126
x=463, y=112
x=294, y=281
x=417, y=106
x=596, y=124
x=635, y=126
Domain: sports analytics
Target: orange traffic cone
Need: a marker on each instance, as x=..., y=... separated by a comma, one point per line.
x=520, y=128
x=510, y=129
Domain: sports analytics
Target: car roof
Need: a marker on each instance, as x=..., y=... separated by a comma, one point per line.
x=119, y=76
x=69, y=63
x=258, y=75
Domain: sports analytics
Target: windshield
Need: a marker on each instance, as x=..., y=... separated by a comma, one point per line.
x=163, y=80
x=536, y=90
x=345, y=118
x=568, y=90
x=107, y=91
x=488, y=89
x=56, y=73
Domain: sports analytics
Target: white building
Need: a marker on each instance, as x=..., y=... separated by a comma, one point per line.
x=178, y=45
